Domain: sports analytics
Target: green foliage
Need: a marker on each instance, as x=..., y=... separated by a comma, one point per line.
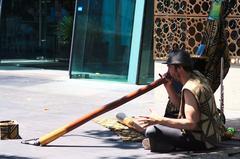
x=64, y=30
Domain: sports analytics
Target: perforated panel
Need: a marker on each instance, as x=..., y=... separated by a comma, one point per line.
x=233, y=36
x=185, y=33
x=185, y=7
x=181, y=23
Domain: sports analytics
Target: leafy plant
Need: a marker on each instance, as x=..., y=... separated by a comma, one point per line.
x=64, y=30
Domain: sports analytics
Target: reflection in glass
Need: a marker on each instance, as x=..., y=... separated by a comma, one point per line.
x=146, y=68
x=102, y=39
x=36, y=33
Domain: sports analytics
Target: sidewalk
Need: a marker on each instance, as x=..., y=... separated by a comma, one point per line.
x=43, y=100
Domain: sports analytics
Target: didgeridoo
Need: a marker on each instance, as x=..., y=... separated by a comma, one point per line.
x=129, y=122
x=46, y=139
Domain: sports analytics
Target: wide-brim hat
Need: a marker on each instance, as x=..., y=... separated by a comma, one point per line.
x=179, y=57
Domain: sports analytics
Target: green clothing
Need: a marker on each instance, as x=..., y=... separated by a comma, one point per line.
x=210, y=127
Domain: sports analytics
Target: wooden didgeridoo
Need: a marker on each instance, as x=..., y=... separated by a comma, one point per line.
x=46, y=139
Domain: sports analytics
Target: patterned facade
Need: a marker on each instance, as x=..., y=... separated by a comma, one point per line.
x=181, y=23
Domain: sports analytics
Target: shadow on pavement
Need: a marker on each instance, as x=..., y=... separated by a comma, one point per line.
x=14, y=157
x=107, y=137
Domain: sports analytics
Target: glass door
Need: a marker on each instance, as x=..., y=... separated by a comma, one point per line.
x=102, y=39
x=146, y=64
x=0, y=8
x=36, y=33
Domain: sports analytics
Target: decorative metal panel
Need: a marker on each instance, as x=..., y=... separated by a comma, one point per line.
x=181, y=23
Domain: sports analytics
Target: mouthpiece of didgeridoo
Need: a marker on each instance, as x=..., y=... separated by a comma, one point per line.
x=31, y=142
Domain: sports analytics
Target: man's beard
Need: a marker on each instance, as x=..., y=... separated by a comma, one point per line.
x=176, y=77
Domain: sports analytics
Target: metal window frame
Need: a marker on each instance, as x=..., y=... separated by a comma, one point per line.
x=136, y=41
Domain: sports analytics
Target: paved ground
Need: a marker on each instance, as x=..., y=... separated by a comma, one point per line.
x=43, y=100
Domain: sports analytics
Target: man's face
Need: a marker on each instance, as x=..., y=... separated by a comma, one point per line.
x=174, y=72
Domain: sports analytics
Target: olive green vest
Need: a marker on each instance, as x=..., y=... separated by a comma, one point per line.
x=210, y=127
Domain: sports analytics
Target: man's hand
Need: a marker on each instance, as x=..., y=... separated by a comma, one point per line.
x=152, y=119
x=169, y=80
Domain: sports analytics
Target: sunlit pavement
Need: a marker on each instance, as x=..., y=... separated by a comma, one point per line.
x=43, y=100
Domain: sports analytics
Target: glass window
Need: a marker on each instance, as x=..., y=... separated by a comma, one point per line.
x=102, y=39
x=0, y=9
x=146, y=64
x=36, y=33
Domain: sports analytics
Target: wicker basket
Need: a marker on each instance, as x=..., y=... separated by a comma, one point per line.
x=9, y=129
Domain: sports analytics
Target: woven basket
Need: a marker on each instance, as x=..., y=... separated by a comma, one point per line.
x=9, y=129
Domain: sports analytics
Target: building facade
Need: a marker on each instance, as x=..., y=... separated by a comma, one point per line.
x=117, y=40
x=113, y=40
x=36, y=33
x=97, y=39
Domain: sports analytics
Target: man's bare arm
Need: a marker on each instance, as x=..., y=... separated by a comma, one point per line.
x=189, y=123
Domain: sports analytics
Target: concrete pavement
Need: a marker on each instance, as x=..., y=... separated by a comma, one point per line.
x=43, y=100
